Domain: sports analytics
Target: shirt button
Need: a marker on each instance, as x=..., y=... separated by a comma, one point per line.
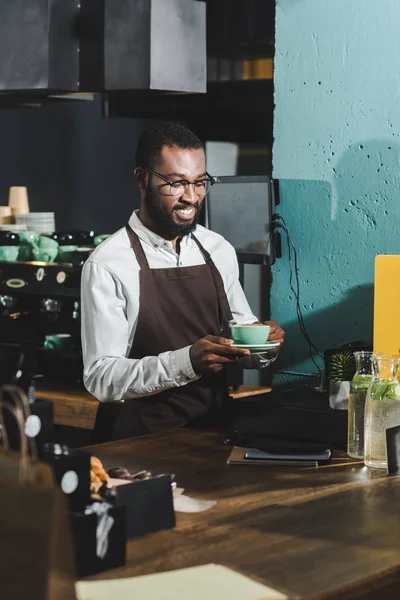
x=166, y=244
x=156, y=246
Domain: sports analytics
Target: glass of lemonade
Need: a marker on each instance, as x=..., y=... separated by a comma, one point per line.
x=382, y=409
x=358, y=394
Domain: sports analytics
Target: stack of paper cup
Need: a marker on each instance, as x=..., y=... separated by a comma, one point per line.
x=18, y=200
x=6, y=215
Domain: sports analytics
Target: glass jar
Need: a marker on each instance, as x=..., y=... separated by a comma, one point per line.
x=358, y=394
x=382, y=409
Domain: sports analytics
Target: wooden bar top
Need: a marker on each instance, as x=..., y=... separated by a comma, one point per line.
x=331, y=532
x=75, y=407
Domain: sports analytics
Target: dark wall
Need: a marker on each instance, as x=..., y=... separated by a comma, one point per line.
x=73, y=162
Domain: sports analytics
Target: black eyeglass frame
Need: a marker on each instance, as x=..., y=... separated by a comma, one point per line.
x=169, y=182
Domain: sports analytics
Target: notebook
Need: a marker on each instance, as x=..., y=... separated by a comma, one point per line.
x=238, y=457
x=260, y=454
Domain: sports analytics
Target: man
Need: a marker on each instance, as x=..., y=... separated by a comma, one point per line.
x=158, y=295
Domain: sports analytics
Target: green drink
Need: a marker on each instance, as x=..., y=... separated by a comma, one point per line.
x=357, y=398
x=358, y=394
x=382, y=411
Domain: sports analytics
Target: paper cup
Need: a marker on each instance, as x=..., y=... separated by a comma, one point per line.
x=18, y=200
x=6, y=215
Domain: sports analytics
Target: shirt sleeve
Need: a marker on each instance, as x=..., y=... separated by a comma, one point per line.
x=108, y=374
x=240, y=309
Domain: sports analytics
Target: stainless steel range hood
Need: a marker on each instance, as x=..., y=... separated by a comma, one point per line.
x=143, y=45
x=57, y=46
x=39, y=46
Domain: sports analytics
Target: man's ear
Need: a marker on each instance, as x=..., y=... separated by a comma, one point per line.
x=141, y=177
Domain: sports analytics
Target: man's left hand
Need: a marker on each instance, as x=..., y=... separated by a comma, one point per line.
x=276, y=334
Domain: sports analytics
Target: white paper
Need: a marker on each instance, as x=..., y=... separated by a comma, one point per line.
x=206, y=582
x=186, y=504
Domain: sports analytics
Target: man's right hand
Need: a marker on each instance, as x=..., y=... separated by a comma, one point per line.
x=211, y=353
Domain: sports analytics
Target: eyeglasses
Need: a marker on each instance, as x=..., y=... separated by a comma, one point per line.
x=179, y=187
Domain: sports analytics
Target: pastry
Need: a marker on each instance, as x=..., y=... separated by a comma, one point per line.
x=97, y=470
x=122, y=473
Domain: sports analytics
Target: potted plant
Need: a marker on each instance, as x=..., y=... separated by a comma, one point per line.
x=341, y=369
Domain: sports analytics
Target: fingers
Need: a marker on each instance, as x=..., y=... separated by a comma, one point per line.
x=274, y=326
x=276, y=333
x=277, y=336
x=219, y=340
x=273, y=352
x=223, y=347
x=212, y=359
x=211, y=353
x=231, y=352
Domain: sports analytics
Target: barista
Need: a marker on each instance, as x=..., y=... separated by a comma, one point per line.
x=157, y=297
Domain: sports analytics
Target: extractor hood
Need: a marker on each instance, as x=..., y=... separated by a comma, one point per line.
x=39, y=45
x=63, y=46
x=143, y=45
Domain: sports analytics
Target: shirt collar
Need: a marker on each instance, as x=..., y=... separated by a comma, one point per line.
x=149, y=237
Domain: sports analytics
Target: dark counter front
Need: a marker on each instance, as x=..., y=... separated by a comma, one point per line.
x=330, y=532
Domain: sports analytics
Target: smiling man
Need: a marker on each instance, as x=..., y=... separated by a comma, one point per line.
x=158, y=296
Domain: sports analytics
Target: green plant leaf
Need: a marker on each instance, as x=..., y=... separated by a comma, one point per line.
x=384, y=389
x=361, y=382
x=341, y=366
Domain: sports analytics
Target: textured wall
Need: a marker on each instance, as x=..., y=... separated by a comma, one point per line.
x=336, y=153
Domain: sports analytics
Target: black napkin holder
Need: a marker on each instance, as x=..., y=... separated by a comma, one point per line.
x=393, y=449
x=44, y=410
x=84, y=535
x=72, y=473
x=299, y=414
x=39, y=424
x=149, y=505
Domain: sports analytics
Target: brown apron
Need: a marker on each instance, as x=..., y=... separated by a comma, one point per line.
x=177, y=307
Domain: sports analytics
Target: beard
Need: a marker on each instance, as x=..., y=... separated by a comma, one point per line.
x=163, y=217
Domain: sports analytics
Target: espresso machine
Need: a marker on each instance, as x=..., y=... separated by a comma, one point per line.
x=38, y=299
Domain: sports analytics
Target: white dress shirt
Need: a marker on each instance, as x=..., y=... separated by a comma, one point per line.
x=110, y=310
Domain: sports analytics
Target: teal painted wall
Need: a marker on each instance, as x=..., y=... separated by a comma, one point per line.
x=337, y=155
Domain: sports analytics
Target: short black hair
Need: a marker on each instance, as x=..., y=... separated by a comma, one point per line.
x=154, y=138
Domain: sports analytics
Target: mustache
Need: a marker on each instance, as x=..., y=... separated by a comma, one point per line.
x=196, y=205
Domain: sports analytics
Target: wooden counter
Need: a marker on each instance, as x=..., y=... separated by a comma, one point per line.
x=75, y=407
x=331, y=532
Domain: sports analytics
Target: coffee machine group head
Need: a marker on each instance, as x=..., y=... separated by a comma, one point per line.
x=38, y=300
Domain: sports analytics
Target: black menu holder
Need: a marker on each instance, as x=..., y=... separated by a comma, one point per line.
x=393, y=449
x=44, y=411
x=300, y=414
x=149, y=505
x=72, y=473
x=85, y=539
x=38, y=425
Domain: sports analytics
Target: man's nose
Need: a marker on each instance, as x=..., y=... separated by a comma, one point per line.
x=190, y=195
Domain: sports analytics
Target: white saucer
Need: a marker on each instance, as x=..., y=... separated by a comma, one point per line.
x=267, y=346
x=258, y=348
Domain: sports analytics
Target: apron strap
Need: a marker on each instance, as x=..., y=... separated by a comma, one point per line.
x=137, y=248
x=224, y=308
x=223, y=304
